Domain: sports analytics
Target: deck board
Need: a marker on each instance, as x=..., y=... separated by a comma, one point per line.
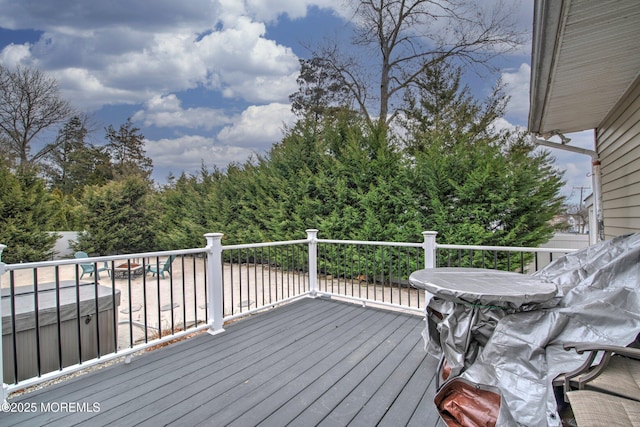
x=310, y=362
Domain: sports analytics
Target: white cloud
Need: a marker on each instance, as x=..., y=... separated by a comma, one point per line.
x=88, y=92
x=167, y=111
x=188, y=153
x=253, y=131
x=258, y=126
x=14, y=54
x=501, y=124
x=262, y=88
x=247, y=65
x=517, y=87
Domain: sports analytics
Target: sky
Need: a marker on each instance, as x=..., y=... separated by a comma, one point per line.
x=207, y=81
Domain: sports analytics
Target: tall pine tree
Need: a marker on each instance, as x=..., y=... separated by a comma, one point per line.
x=74, y=163
x=126, y=147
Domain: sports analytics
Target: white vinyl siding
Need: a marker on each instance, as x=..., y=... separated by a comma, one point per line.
x=618, y=144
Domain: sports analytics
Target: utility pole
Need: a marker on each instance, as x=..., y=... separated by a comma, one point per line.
x=580, y=219
x=581, y=194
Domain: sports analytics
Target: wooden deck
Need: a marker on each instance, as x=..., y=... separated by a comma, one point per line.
x=310, y=362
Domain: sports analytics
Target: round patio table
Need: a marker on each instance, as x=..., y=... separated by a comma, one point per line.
x=474, y=301
x=479, y=286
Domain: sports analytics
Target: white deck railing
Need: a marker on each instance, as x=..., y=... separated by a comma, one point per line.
x=82, y=322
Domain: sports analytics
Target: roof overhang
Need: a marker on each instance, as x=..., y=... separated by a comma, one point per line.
x=585, y=55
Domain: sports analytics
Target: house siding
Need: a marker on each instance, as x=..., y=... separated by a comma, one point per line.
x=618, y=145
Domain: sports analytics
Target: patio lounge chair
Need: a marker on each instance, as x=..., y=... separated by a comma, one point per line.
x=608, y=393
x=153, y=269
x=90, y=268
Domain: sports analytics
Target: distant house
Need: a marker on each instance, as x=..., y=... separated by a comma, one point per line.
x=585, y=74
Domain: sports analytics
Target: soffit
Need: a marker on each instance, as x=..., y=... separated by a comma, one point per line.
x=585, y=55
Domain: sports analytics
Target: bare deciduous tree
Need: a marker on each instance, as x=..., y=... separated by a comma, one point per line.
x=402, y=38
x=30, y=102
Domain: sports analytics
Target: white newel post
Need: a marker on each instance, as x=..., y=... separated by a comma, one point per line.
x=429, y=246
x=215, y=309
x=312, y=235
x=5, y=393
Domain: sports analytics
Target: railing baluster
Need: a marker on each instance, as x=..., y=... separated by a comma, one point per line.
x=232, y=280
x=270, y=263
x=130, y=304
x=158, y=291
x=14, y=333
x=205, y=259
x=144, y=303
x=58, y=318
x=255, y=276
x=114, y=307
x=375, y=273
x=184, y=296
x=77, y=289
x=281, y=270
x=287, y=268
x=97, y=311
x=398, y=278
x=261, y=277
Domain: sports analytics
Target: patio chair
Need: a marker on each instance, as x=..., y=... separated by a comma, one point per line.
x=90, y=268
x=593, y=409
x=607, y=392
x=153, y=269
x=617, y=373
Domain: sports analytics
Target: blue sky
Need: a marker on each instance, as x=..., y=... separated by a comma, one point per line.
x=208, y=80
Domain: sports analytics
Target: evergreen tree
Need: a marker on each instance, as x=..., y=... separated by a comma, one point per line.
x=183, y=210
x=343, y=179
x=74, y=163
x=118, y=219
x=474, y=184
x=26, y=216
x=272, y=197
x=370, y=198
x=67, y=213
x=126, y=147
